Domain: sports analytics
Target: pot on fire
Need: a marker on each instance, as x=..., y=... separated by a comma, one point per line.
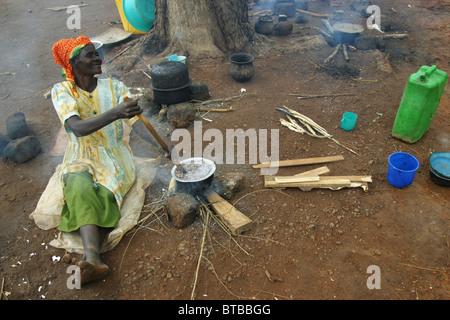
x=198, y=176
x=346, y=33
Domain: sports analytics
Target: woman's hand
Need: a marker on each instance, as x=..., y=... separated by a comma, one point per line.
x=128, y=109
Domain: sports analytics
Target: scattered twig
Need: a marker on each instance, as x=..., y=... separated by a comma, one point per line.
x=146, y=74
x=118, y=55
x=199, y=103
x=364, y=80
x=307, y=96
x=331, y=57
x=344, y=51
x=5, y=96
x=434, y=269
x=1, y=290
x=215, y=110
x=314, y=129
x=205, y=229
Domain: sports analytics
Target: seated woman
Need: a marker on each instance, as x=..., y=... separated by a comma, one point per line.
x=98, y=168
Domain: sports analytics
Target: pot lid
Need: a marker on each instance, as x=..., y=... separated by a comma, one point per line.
x=348, y=27
x=440, y=163
x=198, y=169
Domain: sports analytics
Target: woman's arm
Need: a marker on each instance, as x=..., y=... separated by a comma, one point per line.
x=87, y=126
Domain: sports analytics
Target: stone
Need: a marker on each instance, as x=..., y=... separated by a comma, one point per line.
x=180, y=115
x=283, y=28
x=366, y=43
x=149, y=105
x=23, y=149
x=229, y=184
x=16, y=126
x=302, y=18
x=182, y=209
x=199, y=91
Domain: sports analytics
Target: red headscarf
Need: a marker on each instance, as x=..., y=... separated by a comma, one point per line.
x=66, y=49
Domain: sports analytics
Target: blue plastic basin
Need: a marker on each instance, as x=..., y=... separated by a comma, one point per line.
x=140, y=13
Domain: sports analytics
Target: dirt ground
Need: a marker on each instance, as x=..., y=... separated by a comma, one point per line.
x=302, y=245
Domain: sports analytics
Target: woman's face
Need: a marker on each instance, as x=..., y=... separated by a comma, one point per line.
x=87, y=62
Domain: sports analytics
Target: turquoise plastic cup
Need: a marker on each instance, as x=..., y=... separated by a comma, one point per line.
x=348, y=121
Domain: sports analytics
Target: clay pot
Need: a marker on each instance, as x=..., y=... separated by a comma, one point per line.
x=241, y=66
x=264, y=25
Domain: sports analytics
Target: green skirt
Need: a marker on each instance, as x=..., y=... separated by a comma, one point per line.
x=86, y=203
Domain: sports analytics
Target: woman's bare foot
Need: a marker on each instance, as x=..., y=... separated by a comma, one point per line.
x=91, y=271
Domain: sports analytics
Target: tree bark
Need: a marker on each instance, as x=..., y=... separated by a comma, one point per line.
x=199, y=28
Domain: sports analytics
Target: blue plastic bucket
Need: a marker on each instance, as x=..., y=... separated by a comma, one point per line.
x=402, y=169
x=140, y=13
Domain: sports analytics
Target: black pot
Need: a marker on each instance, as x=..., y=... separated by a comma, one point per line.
x=241, y=66
x=264, y=25
x=169, y=75
x=345, y=37
x=173, y=95
x=195, y=188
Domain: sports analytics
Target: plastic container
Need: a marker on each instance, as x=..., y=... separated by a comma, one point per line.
x=402, y=169
x=419, y=103
x=137, y=15
x=348, y=121
x=178, y=58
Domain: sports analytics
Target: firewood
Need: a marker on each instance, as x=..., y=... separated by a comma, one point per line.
x=235, y=220
x=298, y=162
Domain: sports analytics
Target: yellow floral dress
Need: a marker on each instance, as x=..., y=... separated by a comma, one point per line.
x=104, y=153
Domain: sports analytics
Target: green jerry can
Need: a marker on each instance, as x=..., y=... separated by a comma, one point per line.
x=419, y=103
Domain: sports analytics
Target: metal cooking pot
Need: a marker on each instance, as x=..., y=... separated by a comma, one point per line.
x=199, y=176
x=169, y=75
x=346, y=33
x=172, y=96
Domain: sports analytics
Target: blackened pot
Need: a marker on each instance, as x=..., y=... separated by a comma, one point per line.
x=173, y=95
x=241, y=66
x=197, y=185
x=169, y=75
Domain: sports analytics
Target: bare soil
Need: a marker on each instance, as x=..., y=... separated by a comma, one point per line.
x=302, y=245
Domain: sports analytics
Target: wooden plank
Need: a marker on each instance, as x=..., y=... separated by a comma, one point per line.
x=271, y=183
x=351, y=178
x=294, y=179
x=298, y=162
x=314, y=172
x=232, y=217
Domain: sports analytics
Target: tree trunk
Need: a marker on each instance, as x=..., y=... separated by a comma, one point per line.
x=199, y=28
